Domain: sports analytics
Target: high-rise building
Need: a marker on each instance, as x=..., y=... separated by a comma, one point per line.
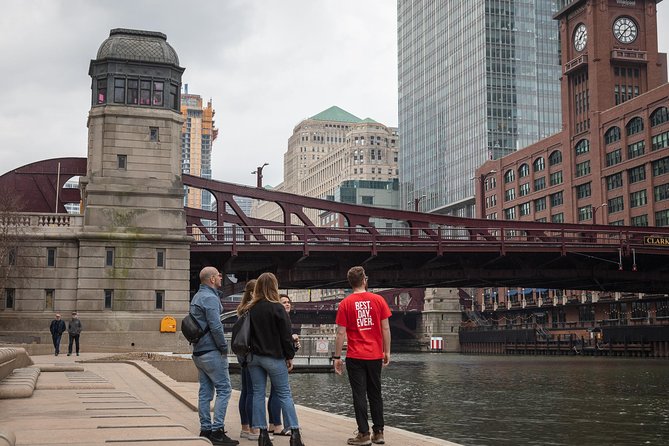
x=197, y=136
x=477, y=80
x=329, y=148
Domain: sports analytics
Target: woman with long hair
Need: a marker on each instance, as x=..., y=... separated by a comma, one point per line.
x=272, y=356
x=246, y=395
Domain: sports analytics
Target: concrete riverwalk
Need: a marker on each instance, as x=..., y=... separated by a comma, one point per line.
x=77, y=401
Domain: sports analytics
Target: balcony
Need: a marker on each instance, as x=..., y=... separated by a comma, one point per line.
x=576, y=63
x=636, y=56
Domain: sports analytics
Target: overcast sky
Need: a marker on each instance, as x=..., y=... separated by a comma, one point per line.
x=265, y=64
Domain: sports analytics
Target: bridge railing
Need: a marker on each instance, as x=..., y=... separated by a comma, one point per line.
x=281, y=235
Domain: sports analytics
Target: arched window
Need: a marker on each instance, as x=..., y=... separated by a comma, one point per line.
x=523, y=170
x=555, y=158
x=634, y=126
x=539, y=164
x=509, y=176
x=583, y=146
x=612, y=135
x=659, y=116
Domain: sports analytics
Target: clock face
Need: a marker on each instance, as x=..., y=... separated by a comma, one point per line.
x=580, y=37
x=625, y=30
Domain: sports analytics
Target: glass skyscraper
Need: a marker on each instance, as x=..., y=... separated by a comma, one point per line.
x=478, y=79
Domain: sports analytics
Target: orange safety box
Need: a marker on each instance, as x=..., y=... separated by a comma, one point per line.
x=168, y=325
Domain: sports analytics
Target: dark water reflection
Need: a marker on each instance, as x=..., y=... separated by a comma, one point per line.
x=483, y=400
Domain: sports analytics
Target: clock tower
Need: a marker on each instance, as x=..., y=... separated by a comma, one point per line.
x=609, y=56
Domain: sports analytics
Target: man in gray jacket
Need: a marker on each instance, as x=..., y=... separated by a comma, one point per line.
x=210, y=358
x=74, y=330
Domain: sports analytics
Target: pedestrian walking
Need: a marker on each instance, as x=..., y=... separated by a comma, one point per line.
x=362, y=318
x=57, y=328
x=210, y=358
x=74, y=329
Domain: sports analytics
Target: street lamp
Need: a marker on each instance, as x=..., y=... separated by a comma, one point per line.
x=594, y=212
x=258, y=174
x=416, y=202
x=481, y=178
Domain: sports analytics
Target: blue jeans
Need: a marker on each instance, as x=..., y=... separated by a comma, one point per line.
x=246, y=397
x=213, y=373
x=274, y=408
x=260, y=368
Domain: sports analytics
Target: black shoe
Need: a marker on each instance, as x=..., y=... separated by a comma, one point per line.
x=263, y=438
x=205, y=434
x=219, y=438
x=296, y=438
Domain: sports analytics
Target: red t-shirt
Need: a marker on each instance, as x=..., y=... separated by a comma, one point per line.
x=361, y=314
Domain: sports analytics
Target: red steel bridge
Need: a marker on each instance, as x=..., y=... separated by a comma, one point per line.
x=411, y=250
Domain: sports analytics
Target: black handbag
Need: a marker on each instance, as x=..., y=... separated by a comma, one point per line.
x=241, y=338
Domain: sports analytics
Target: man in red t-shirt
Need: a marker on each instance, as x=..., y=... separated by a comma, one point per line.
x=362, y=318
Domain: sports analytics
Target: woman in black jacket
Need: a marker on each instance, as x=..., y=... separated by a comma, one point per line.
x=272, y=355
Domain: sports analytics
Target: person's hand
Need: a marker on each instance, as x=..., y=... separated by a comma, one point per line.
x=289, y=364
x=386, y=359
x=339, y=366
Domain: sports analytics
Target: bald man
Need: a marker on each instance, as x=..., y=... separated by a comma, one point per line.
x=210, y=358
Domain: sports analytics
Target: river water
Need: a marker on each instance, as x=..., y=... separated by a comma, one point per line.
x=512, y=400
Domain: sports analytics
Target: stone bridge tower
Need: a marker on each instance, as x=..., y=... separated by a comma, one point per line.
x=134, y=253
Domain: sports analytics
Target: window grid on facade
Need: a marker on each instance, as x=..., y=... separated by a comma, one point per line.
x=661, y=192
x=160, y=299
x=49, y=298
x=627, y=84
x=109, y=257
x=525, y=208
x=122, y=162
x=640, y=220
x=612, y=135
x=12, y=254
x=583, y=190
x=540, y=183
x=662, y=218
x=661, y=166
x=509, y=176
x=636, y=174
x=539, y=164
x=614, y=181
x=154, y=134
x=539, y=204
x=109, y=298
x=613, y=158
x=615, y=205
x=51, y=257
x=636, y=149
x=638, y=198
x=160, y=258
x=659, y=116
x=660, y=141
x=557, y=218
x=510, y=194
x=582, y=147
x=585, y=213
x=510, y=213
x=523, y=171
x=555, y=158
x=583, y=168
x=634, y=126
x=10, y=295
x=556, y=178
x=524, y=189
x=557, y=199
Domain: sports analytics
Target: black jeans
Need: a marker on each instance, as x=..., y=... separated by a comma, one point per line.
x=365, y=378
x=73, y=338
x=56, y=342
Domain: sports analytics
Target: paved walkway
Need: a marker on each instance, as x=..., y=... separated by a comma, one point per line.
x=76, y=402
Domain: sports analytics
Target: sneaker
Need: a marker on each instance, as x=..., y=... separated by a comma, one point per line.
x=205, y=434
x=360, y=439
x=244, y=434
x=77, y=353
x=219, y=438
x=377, y=438
x=251, y=436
